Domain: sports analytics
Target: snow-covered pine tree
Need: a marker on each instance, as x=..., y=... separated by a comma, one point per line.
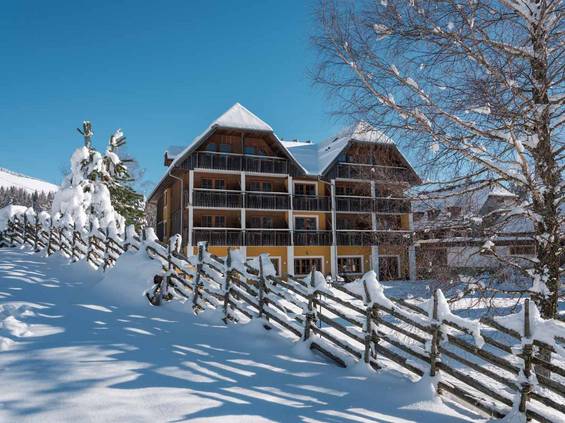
x=125, y=199
x=84, y=196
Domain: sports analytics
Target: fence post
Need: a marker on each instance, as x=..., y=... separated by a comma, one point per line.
x=371, y=313
x=197, y=283
x=50, y=237
x=106, y=250
x=527, y=352
x=36, y=235
x=261, y=288
x=436, y=337
x=25, y=229
x=227, y=286
x=310, y=314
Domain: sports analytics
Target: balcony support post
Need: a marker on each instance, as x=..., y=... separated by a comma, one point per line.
x=243, y=206
x=190, y=211
x=411, y=251
x=333, y=254
x=291, y=210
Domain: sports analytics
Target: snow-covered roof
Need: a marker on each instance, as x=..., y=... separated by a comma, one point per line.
x=330, y=149
x=314, y=159
x=239, y=117
x=12, y=179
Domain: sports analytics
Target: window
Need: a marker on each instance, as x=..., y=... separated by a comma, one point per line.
x=225, y=148
x=250, y=150
x=305, y=189
x=219, y=184
x=212, y=146
x=522, y=250
x=303, y=266
x=433, y=213
x=220, y=222
x=454, y=211
x=206, y=221
x=305, y=223
x=349, y=265
x=206, y=183
x=267, y=187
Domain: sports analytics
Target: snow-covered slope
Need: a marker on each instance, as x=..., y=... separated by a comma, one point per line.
x=81, y=345
x=12, y=179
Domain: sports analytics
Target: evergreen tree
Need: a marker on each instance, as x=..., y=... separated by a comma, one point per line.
x=125, y=199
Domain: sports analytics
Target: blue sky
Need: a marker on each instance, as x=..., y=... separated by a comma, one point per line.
x=160, y=70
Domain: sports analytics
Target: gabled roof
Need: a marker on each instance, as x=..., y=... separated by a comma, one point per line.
x=238, y=117
x=361, y=132
x=313, y=159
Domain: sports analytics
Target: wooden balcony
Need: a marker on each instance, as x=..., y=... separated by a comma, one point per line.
x=238, y=162
x=267, y=200
x=265, y=237
x=371, y=172
x=312, y=237
x=230, y=237
x=311, y=203
x=368, y=204
x=217, y=199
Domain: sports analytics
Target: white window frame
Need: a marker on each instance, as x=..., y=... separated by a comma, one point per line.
x=294, y=183
x=315, y=216
x=353, y=256
x=397, y=262
x=309, y=257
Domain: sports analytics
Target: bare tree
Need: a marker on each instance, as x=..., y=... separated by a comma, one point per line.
x=473, y=88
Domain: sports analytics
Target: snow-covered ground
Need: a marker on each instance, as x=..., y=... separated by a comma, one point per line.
x=78, y=345
x=12, y=179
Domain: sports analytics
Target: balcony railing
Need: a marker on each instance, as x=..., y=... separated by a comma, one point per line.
x=239, y=162
x=354, y=204
x=267, y=201
x=310, y=203
x=312, y=237
x=220, y=199
x=231, y=237
x=371, y=172
x=259, y=237
x=367, y=238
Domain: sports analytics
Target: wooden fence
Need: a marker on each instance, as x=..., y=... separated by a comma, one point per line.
x=505, y=372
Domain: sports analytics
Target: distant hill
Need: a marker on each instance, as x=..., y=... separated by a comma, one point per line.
x=27, y=183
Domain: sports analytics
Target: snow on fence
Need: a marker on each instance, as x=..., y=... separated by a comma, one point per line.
x=491, y=364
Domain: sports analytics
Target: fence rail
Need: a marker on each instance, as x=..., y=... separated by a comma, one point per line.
x=485, y=364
